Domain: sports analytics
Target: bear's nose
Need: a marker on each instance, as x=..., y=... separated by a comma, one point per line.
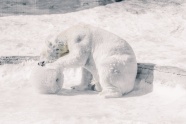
x=41, y=63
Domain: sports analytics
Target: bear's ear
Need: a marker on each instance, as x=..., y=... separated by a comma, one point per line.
x=48, y=43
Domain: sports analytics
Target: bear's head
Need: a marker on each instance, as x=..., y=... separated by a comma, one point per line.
x=52, y=50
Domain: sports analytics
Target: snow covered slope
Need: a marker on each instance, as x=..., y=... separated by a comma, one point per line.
x=156, y=30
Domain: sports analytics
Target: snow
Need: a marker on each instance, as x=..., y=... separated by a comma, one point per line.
x=20, y=103
x=158, y=27
x=47, y=80
x=155, y=30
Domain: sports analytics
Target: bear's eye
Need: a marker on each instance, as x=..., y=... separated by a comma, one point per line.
x=78, y=39
x=50, y=44
x=53, y=46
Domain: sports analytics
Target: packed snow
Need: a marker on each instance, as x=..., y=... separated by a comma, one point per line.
x=47, y=80
x=154, y=29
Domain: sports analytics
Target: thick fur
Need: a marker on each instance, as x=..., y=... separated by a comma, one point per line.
x=108, y=58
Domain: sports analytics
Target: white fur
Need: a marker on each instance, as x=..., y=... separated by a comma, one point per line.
x=109, y=59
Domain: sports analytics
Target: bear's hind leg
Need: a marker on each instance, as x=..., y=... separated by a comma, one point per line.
x=109, y=83
x=85, y=81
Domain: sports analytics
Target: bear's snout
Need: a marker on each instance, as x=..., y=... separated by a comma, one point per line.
x=41, y=63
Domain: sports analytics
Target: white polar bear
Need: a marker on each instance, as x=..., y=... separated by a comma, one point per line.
x=108, y=58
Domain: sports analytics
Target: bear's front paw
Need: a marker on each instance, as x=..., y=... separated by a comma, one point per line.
x=42, y=63
x=80, y=87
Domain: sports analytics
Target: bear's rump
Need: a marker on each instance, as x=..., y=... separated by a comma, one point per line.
x=120, y=71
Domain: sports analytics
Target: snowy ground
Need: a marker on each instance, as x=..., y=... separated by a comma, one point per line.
x=155, y=30
x=20, y=103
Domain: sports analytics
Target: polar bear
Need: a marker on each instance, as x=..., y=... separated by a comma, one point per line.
x=104, y=56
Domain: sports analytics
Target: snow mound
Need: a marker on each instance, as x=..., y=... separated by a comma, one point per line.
x=47, y=80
